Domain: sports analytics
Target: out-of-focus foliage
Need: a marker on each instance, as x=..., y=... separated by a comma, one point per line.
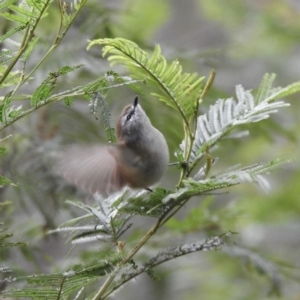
x=141, y=19
x=258, y=28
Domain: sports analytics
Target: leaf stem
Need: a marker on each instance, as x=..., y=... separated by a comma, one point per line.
x=189, y=139
x=206, y=88
x=135, y=249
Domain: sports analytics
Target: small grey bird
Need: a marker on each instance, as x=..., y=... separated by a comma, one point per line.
x=139, y=159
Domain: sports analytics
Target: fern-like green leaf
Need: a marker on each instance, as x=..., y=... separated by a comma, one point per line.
x=4, y=106
x=250, y=174
x=11, y=32
x=26, y=13
x=70, y=14
x=147, y=206
x=23, y=10
x=178, y=90
x=12, y=79
x=265, y=87
x=14, y=18
x=268, y=94
x=6, y=61
x=7, y=3
x=38, y=5
x=13, y=112
x=4, y=181
x=110, y=131
x=6, y=53
x=96, y=86
x=60, y=285
x=68, y=101
x=4, y=236
x=102, y=84
x=66, y=69
x=42, y=93
x=284, y=92
x=3, y=151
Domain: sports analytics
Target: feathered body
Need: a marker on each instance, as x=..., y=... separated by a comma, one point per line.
x=139, y=159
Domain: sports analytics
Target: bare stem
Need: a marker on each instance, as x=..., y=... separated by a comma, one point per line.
x=137, y=247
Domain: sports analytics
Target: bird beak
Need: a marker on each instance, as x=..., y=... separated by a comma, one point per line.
x=136, y=101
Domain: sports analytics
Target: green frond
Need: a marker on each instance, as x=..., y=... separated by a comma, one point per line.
x=37, y=4
x=6, y=53
x=12, y=79
x=33, y=6
x=42, y=93
x=110, y=131
x=268, y=167
x=4, y=106
x=103, y=83
x=4, y=236
x=265, y=87
x=8, y=58
x=177, y=89
x=193, y=188
x=68, y=101
x=15, y=18
x=66, y=69
x=284, y=92
x=23, y=11
x=250, y=174
x=11, y=32
x=7, y=3
x=3, y=151
x=96, y=86
x=60, y=285
x=4, y=181
x=149, y=206
x=70, y=14
x=268, y=94
x=14, y=112
x=97, y=101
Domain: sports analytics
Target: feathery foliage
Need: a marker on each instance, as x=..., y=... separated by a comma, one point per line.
x=226, y=115
x=4, y=243
x=3, y=151
x=177, y=89
x=43, y=95
x=4, y=236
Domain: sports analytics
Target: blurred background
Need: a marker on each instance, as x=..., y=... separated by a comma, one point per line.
x=241, y=41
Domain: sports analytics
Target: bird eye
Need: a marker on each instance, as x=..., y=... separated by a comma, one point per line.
x=128, y=117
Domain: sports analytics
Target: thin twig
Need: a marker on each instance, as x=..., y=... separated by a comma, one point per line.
x=164, y=256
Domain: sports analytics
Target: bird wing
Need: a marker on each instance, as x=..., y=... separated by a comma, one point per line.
x=93, y=168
